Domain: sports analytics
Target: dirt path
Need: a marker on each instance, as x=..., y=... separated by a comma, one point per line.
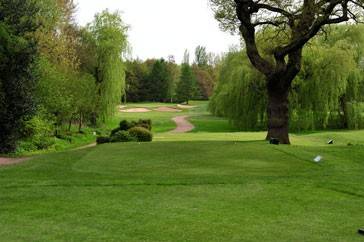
x=85, y=146
x=183, y=125
x=6, y=161
x=11, y=161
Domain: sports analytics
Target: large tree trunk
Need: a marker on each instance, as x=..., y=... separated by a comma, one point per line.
x=278, y=114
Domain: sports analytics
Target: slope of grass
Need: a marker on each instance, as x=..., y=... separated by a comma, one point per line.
x=186, y=191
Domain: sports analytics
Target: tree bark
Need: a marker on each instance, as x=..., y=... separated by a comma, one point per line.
x=278, y=114
x=80, y=123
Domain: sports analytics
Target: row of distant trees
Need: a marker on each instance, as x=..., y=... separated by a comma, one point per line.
x=54, y=73
x=165, y=81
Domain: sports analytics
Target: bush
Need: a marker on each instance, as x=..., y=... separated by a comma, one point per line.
x=125, y=125
x=66, y=137
x=145, y=123
x=44, y=143
x=114, y=131
x=141, y=134
x=36, y=134
x=25, y=146
x=122, y=136
x=37, y=126
x=102, y=140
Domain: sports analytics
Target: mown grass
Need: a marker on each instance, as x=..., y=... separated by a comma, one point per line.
x=213, y=185
x=186, y=191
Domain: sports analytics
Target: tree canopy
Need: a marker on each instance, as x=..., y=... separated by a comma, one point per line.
x=18, y=23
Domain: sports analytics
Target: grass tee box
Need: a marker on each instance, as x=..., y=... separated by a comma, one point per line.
x=185, y=191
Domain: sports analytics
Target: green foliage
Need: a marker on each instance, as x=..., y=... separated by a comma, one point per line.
x=49, y=63
x=122, y=136
x=240, y=94
x=53, y=90
x=129, y=131
x=36, y=134
x=201, y=56
x=144, y=123
x=37, y=126
x=126, y=125
x=205, y=82
x=186, y=84
x=136, y=73
x=159, y=81
x=108, y=36
x=102, y=140
x=18, y=22
x=152, y=80
x=141, y=134
x=325, y=95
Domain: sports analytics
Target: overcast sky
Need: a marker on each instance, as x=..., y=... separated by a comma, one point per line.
x=159, y=28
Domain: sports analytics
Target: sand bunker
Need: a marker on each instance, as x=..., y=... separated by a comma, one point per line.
x=167, y=109
x=185, y=106
x=135, y=110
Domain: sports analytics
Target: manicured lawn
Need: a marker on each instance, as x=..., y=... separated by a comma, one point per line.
x=186, y=191
x=213, y=185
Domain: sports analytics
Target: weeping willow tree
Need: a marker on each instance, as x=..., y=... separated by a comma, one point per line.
x=327, y=93
x=240, y=94
x=107, y=34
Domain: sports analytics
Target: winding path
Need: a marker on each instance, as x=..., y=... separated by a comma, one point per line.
x=6, y=161
x=183, y=125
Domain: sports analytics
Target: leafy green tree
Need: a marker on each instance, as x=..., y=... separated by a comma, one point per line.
x=185, y=86
x=152, y=80
x=53, y=91
x=108, y=36
x=201, y=56
x=186, y=57
x=137, y=73
x=205, y=81
x=18, y=21
x=203, y=72
x=160, y=80
x=83, y=90
x=294, y=24
x=174, y=72
x=58, y=61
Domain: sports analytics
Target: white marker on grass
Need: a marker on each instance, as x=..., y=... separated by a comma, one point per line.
x=317, y=159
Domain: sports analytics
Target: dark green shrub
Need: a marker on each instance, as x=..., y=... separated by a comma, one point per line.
x=141, y=134
x=145, y=123
x=102, y=140
x=67, y=138
x=125, y=125
x=122, y=136
x=114, y=131
x=44, y=143
x=24, y=146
